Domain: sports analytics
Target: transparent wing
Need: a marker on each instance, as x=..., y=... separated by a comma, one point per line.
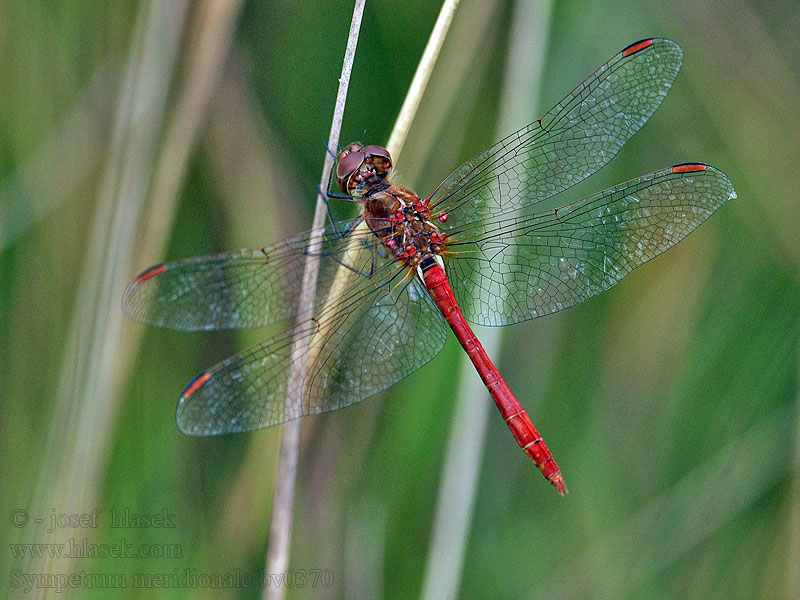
x=246, y=288
x=573, y=140
x=375, y=333
x=509, y=270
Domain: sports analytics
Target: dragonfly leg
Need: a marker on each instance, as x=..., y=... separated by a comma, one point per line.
x=326, y=199
x=364, y=242
x=327, y=195
x=373, y=267
x=350, y=228
x=333, y=153
x=374, y=264
x=356, y=270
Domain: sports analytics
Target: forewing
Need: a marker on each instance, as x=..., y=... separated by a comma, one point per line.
x=243, y=289
x=509, y=270
x=376, y=332
x=573, y=140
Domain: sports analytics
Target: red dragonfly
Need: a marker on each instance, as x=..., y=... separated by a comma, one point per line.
x=491, y=245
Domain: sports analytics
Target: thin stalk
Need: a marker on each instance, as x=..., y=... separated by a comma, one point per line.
x=244, y=163
x=97, y=355
x=283, y=504
x=421, y=77
x=277, y=559
x=88, y=391
x=530, y=26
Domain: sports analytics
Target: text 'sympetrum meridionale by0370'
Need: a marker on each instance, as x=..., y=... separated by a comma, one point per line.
x=479, y=248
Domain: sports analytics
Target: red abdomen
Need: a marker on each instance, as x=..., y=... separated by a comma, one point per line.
x=514, y=415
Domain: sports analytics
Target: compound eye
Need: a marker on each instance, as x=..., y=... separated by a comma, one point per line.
x=377, y=151
x=350, y=148
x=349, y=164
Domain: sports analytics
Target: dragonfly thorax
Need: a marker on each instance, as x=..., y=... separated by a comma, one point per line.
x=402, y=222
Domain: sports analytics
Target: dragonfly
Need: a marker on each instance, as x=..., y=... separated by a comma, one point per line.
x=492, y=245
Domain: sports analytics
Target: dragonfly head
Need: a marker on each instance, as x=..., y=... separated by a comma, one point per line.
x=361, y=167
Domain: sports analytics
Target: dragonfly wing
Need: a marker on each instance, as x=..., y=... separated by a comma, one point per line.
x=375, y=333
x=510, y=270
x=243, y=289
x=573, y=140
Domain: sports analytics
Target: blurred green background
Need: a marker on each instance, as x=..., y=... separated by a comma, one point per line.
x=133, y=132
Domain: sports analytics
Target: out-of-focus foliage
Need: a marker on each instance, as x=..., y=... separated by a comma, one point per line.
x=670, y=402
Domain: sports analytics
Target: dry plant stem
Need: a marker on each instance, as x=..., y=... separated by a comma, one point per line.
x=88, y=390
x=277, y=555
x=421, y=77
x=283, y=504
